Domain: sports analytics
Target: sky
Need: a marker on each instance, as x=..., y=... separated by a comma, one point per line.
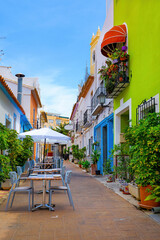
x=50, y=39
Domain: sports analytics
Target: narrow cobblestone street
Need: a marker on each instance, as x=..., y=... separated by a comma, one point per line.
x=99, y=214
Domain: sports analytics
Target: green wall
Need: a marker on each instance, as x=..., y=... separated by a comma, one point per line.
x=143, y=21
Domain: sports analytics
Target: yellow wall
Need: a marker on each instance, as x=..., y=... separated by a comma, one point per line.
x=93, y=44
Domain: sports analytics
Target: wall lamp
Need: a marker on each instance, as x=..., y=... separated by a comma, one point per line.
x=101, y=99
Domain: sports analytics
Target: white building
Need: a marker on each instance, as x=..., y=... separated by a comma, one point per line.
x=93, y=120
x=12, y=115
x=30, y=99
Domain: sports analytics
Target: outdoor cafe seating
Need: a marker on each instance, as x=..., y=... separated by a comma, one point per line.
x=44, y=174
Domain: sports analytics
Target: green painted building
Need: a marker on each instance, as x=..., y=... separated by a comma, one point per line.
x=142, y=21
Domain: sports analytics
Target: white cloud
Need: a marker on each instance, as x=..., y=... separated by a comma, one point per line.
x=56, y=97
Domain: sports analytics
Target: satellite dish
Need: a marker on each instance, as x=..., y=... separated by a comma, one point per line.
x=69, y=127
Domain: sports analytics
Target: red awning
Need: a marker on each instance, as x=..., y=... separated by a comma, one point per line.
x=115, y=35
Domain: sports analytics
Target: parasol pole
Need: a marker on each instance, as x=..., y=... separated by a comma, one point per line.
x=44, y=150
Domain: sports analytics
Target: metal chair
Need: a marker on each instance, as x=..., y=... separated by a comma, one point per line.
x=63, y=174
x=63, y=188
x=19, y=171
x=61, y=164
x=15, y=188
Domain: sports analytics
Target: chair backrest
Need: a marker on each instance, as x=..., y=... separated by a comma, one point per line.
x=61, y=165
x=19, y=171
x=31, y=163
x=13, y=177
x=63, y=171
x=68, y=177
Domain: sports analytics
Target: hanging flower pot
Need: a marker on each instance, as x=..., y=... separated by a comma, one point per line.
x=120, y=79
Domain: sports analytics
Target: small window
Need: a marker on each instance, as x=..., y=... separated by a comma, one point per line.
x=145, y=108
x=14, y=121
x=52, y=147
x=50, y=120
x=93, y=57
x=34, y=123
x=58, y=122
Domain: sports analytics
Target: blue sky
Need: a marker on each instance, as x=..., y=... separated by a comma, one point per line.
x=50, y=39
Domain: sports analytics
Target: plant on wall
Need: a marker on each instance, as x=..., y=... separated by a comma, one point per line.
x=27, y=151
x=144, y=150
x=13, y=151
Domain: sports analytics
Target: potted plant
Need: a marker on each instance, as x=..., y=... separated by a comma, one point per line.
x=144, y=150
x=86, y=165
x=80, y=163
x=108, y=170
x=94, y=158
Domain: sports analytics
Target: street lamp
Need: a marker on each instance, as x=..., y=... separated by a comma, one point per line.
x=101, y=98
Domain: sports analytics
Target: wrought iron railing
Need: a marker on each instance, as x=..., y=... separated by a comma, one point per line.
x=144, y=108
x=121, y=81
x=87, y=117
x=94, y=100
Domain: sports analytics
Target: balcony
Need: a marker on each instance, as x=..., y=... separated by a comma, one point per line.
x=96, y=107
x=120, y=82
x=87, y=118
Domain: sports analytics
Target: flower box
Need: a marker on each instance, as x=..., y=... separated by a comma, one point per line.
x=134, y=191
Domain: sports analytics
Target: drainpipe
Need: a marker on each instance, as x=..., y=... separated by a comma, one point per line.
x=19, y=93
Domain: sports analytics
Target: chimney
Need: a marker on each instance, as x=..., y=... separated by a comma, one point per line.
x=19, y=93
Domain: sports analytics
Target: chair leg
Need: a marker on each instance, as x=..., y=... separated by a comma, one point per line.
x=50, y=199
x=8, y=201
x=29, y=196
x=63, y=181
x=32, y=197
x=70, y=197
x=32, y=193
x=12, y=199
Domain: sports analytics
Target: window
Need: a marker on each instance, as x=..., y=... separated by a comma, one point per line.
x=90, y=145
x=14, y=121
x=50, y=120
x=144, y=108
x=93, y=57
x=8, y=121
x=33, y=117
x=58, y=121
x=52, y=147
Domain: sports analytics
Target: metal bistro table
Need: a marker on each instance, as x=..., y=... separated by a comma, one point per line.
x=44, y=177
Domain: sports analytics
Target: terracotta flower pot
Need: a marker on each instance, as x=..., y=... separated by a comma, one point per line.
x=93, y=169
x=147, y=204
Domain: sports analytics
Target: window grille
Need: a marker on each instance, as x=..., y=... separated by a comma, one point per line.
x=145, y=108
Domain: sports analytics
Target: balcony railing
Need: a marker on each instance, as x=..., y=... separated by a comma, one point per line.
x=121, y=81
x=87, y=118
x=95, y=105
x=78, y=127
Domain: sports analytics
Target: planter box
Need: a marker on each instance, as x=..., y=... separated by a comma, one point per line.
x=6, y=185
x=134, y=191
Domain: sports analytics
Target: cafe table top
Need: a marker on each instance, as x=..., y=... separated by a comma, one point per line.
x=35, y=176
x=46, y=170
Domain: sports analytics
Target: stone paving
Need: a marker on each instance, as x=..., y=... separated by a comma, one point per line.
x=100, y=214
